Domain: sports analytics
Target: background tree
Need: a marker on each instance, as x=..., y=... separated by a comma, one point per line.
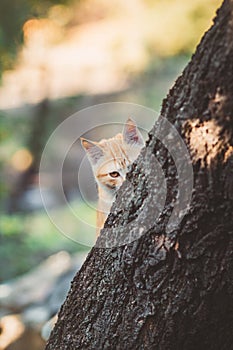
x=169, y=290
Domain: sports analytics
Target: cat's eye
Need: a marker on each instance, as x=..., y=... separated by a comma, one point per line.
x=114, y=174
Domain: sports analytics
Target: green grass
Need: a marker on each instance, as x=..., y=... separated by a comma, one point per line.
x=28, y=239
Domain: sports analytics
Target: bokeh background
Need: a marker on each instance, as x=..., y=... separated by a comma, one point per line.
x=58, y=57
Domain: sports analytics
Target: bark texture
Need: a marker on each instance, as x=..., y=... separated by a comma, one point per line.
x=169, y=290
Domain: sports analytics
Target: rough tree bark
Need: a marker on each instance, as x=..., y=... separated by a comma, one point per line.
x=169, y=290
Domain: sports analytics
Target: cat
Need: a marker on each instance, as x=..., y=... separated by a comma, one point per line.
x=110, y=160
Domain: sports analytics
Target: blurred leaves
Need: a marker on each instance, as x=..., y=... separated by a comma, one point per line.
x=13, y=14
x=25, y=240
x=174, y=26
x=178, y=24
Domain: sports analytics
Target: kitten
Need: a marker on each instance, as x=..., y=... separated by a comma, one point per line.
x=110, y=160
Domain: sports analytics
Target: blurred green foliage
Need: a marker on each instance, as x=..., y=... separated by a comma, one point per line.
x=4, y=135
x=176, y=27
x=25, y=240
x=13, y=14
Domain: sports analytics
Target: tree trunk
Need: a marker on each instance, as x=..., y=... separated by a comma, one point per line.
x=170, y=288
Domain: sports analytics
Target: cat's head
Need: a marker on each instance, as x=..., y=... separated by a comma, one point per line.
x=110, y=158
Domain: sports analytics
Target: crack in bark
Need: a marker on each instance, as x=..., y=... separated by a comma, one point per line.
x=149, y=295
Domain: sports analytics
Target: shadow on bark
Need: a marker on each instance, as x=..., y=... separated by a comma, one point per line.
x=169, y=290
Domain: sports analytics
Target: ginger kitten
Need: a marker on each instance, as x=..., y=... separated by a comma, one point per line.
x=110, y=160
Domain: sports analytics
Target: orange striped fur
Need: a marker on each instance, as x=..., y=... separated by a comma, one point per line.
x=110, y=160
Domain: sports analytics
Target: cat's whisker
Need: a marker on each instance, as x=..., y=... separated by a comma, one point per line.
x=110, y=160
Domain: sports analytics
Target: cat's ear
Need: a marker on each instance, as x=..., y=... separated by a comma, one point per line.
x=94, y=152
x=131, y=134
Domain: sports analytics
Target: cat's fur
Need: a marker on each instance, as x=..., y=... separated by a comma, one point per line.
x=110, y=160
x=110, y=156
